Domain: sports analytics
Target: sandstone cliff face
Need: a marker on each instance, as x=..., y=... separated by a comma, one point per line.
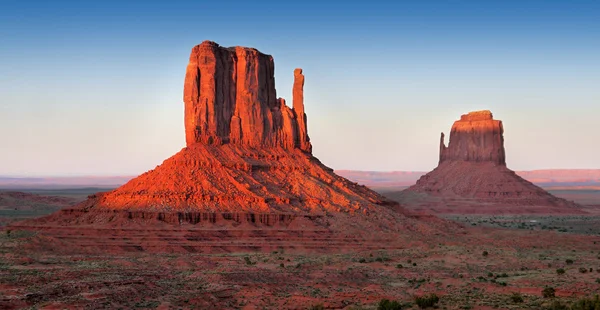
x=476, y=137
x=230, y=97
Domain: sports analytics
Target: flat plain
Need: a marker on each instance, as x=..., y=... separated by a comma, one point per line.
x=497, y=262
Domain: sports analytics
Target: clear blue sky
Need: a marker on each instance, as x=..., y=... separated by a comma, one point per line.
x=96, y=87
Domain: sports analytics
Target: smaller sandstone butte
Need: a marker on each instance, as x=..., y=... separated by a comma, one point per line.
x=230, y=97
x=472, y=169
x=476, y=137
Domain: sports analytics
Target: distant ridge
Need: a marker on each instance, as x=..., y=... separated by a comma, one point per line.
x=392, y=180
x=546, y=178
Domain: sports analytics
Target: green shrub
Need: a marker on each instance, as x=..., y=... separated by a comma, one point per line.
x=399, y=266
x=569, y=261
x=362, y=260
x=426, y=301
x=485, y=253
x=587, y=303
x=248, y=261
x=516, y=298
x=560, y=271
x=317, y=307
x=549, y=292
x=583, y=270
x=386, y=304
x=556, y=305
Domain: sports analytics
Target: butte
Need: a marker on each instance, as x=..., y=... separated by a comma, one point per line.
x=472, y=177
x=247, y=179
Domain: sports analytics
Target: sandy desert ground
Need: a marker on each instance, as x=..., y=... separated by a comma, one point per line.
x=497, y=262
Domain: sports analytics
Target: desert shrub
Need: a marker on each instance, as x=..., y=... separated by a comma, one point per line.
x=485, y=253
x=386, y=304
x=503, y=275
x=583, y=270
x=379, y=259
x=587, y=303
x=426, y=301
x=281, y=265
x=549, y=292
x=560, y=271
x=569, y=261
x=248, y=261
x=399, y=266
x=414, y=264
x=317, y=307
x=362, y=260
x=516, y=298
x=556, y=305
x=490, y=274
x=598, y=280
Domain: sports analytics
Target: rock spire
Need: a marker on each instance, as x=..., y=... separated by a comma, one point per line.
x=230, y=98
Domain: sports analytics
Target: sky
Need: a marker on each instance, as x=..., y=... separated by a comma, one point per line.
x=95, y=87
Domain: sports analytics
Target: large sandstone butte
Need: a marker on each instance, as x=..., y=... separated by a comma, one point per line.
x=246, y=180
x=230, y=98
x=472, y=176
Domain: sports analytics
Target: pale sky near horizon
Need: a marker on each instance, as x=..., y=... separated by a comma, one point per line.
x=96, y=88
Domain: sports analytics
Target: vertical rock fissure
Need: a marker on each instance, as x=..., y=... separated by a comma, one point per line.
x=230, y=97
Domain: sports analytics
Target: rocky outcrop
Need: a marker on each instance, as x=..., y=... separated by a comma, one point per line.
x=473, y=169
x=245, y=181
x=298, y=93
x=476, y=137
x=230, y=97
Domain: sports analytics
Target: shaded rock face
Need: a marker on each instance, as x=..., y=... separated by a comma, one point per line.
x=473, y=167
x=230, y=97
x=476, y=137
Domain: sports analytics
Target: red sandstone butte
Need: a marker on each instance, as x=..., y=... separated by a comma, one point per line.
x=230, y=97
x=476, y=137
x=246, y=180
x=473, y=168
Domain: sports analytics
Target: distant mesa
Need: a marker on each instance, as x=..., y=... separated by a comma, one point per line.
x=476, y=137
x=472, y=168
x=246, y=180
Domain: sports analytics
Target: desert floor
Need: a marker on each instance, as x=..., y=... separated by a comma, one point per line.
x=484, y=268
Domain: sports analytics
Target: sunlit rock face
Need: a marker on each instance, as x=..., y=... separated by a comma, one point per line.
x=476, y=137
x=246, y=180
x=230, y=97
